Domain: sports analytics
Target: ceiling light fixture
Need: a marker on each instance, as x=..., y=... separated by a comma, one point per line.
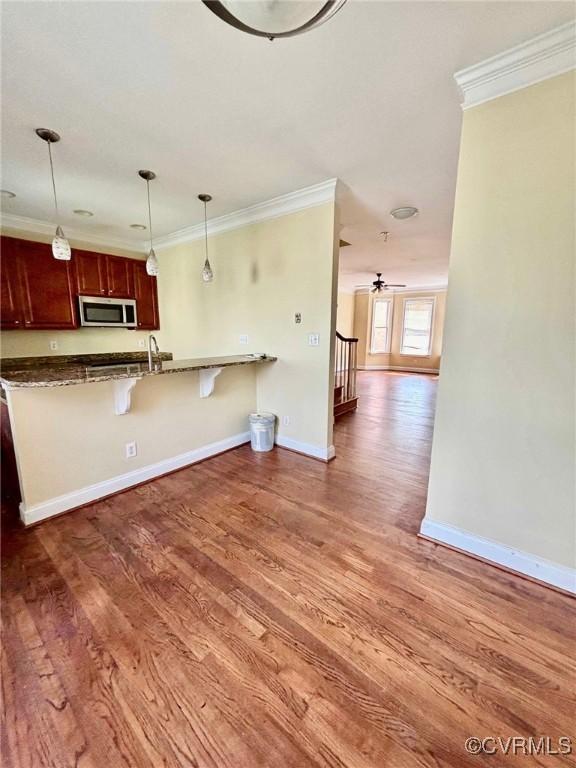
x=82, y=212
x=207, y=274
x=60, y=246
x=152, y=267
x=137, y=226
x=405, y=212
x=274, y=18
x=5, y=193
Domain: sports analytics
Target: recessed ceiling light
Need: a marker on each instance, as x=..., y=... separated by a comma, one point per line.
x=82, y=212
x=137, y=226
x=6, y=193
x=406, y=212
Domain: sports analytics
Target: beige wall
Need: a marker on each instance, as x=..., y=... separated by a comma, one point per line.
x=396, y=360
x=81, y=340
x=503, y=457
x=345, y=314
x=68, y=438
x=264, y=274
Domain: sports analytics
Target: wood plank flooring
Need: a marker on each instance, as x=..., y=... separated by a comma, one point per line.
x=272, y=611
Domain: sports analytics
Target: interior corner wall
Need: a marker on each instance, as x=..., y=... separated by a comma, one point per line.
x=265, y=273
x=345, y=314
x=503, y=454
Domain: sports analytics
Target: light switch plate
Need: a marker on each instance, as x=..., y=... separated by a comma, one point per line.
x=313, y=339
x=54, y=345
x=243, y=339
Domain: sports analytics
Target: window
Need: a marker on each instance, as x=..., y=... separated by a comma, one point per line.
x=381, y=315
x=417, y=327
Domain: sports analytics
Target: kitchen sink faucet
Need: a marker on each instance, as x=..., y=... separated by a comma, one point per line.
x=152, y=340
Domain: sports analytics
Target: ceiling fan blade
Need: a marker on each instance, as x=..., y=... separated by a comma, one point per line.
x=395, y=285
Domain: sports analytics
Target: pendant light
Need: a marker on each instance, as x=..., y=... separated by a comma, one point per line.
x=207, y=274
x=274, y=18
x=152, y=267
x=60, y=245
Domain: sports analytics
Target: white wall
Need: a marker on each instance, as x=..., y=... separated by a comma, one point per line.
x=503, y=456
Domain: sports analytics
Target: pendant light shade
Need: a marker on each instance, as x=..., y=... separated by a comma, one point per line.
x=207, y=274
x=274, y=18
x=152, y=267
x=60, y=246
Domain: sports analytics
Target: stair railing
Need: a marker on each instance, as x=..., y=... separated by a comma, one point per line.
x=345, y=368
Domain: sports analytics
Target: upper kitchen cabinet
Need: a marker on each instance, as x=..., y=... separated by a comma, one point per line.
x=38, y=287
x=146, y=293
x=11, y=308
x=90, y=269
x=119, y=277
x=40, y=292
x=98, y=274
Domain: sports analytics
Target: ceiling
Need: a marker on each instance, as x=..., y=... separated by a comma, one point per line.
x=368, y=97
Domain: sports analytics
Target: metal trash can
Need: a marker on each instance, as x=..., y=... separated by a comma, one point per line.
x=262, y=431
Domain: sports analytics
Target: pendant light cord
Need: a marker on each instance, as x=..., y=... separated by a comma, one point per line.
x=53, y=182
x=205, y=235
x=149, y=213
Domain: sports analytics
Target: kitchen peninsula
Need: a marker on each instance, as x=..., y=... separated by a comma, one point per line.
x=70, y=445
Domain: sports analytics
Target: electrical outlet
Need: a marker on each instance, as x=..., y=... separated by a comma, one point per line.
x=54, y=345
x=285, y=421
x=313, y=339
x=142, y=343
x=131, y=450
x=243, y=339
x=297, y=317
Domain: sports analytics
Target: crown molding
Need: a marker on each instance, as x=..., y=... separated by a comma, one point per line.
x=38, y=227
x=270, y=209
x=544, y=56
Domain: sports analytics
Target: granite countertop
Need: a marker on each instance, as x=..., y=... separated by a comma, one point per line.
x=47, y=375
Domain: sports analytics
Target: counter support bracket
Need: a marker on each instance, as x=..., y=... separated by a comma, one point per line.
x=123, y=395
x=207, y=376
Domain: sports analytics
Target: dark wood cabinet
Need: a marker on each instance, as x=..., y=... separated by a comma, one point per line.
x=90, y=269
x=119, y=277
x=99, y=274
x=10, y=292
x=40, y=292
x=146, y=294
x=38, y=286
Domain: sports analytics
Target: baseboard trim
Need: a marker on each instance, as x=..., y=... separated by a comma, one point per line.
x=90, y=493
x=398, y=368
x=306, y=449
x=513, y=560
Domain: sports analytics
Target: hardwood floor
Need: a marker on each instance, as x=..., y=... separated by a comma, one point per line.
x=270, y=610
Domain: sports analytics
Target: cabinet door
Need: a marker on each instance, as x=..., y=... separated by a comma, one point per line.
x=12, y=310
x=146, y=291
x=91, y=277
x=119, y=274
x=46, y=288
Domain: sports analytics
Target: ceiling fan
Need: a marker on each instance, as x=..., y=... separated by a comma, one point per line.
x=379, y=285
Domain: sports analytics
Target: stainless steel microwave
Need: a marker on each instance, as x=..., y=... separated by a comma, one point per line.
x=110, y=313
